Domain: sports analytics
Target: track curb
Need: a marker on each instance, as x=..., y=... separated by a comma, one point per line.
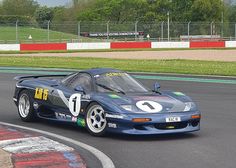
x=103, y=158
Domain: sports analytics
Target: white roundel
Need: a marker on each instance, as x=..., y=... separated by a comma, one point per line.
x=149, y=106
x=75, y=104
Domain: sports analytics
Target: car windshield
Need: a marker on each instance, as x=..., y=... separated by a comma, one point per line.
x=118, y=82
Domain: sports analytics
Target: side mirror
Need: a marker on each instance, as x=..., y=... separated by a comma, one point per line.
x=157, y=86
x=79, y=89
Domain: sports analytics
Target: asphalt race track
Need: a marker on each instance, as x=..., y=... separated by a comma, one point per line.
x=213, y=147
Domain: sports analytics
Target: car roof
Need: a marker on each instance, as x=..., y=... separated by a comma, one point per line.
x=99, y=71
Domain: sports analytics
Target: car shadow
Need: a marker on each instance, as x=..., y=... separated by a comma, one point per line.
x=163, y=137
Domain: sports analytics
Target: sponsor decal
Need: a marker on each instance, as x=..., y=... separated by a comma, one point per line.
x=64, y=116
x=114, y=96
x=114, y=116
x=179, y=94
x=149, y=106
x=170, y=127
x=112, y=125
x=151, y=98
x=41, y=94
x=100, y=34
x=74, y=119
x=86, y=97
x=115, y=74
x=81, y=122
x=35, y=105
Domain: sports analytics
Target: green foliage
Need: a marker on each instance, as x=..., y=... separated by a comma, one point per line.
x=152, y=10
x=232, y=13
x=121, y=11
x=43, y=15
x=19, y=7
x=207, y=10
x=11, y=19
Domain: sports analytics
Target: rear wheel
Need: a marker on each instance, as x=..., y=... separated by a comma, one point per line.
x=96, y=120
x=25, y=107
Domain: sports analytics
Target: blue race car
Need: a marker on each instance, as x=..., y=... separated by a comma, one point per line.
x=105, y=100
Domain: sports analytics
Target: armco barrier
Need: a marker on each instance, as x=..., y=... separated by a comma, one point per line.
x=207, y=44
x=9, y=47
x=88, y=46
x=43, y=47
x=114, y=45
x=127, y=45
x=170, y=44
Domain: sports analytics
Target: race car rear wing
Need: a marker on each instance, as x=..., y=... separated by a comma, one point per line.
x=17, y=78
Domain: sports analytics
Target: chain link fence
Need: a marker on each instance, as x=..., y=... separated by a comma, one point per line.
x=111, y=31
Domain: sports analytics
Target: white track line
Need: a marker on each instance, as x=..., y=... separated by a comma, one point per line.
x=104, y=159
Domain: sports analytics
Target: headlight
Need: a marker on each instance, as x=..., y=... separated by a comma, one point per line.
x=189, y=106
x=128, y=107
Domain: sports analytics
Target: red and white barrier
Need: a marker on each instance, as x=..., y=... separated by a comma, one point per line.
x=207, y=44
x=130, y=45
x=44, y=47
x=170, y=45
x=88, y=46
x=9, y=47
x=230, y=44
x=115, y=45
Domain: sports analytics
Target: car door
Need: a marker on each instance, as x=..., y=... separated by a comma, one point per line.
x=69, y=101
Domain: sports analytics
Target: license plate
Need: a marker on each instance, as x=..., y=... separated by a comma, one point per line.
x=173, y=119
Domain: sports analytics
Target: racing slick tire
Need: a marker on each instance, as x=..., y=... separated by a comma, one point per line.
x=95, y=120
x=25, y=107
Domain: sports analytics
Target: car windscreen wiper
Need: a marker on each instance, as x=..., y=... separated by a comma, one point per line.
x=110, y=88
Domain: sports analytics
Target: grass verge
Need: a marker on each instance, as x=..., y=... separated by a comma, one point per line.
x=114, y=50
x=158, y=66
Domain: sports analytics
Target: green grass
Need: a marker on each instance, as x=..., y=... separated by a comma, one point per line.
x=112, y=50
x=158, y=66
x=8, y=35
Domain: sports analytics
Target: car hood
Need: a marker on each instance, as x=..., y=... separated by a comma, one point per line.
x=149, y=102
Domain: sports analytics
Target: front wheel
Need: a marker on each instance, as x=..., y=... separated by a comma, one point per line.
x=25, y=108
x=96, y=122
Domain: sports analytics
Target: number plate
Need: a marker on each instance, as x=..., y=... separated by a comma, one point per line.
x=173, y=119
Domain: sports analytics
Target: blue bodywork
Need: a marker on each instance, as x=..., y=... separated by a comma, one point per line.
x=119, y=119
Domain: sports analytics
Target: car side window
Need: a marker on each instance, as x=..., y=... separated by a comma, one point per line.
x=84, y=80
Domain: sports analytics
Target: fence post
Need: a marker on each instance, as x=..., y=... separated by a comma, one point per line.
x=17, y=36
x=162, y=30
x=235, y=31
x=168, y=20
x=211, y=29
x=108, y=31
x=189, y=30
x=79, y=30
x=48, y=31
x=136, y=30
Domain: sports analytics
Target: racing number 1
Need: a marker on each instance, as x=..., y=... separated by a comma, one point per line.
x=75, y=104
x=149, y=105
x=74, y=101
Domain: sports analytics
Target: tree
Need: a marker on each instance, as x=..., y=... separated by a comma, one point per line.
x=19, y=7
x=181, y=10
x=207, y=10
x=43, y=14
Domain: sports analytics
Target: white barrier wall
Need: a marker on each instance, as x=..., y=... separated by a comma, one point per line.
x=170, y=45
x=9, y=47
x=230, y=44
x=88, y=46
